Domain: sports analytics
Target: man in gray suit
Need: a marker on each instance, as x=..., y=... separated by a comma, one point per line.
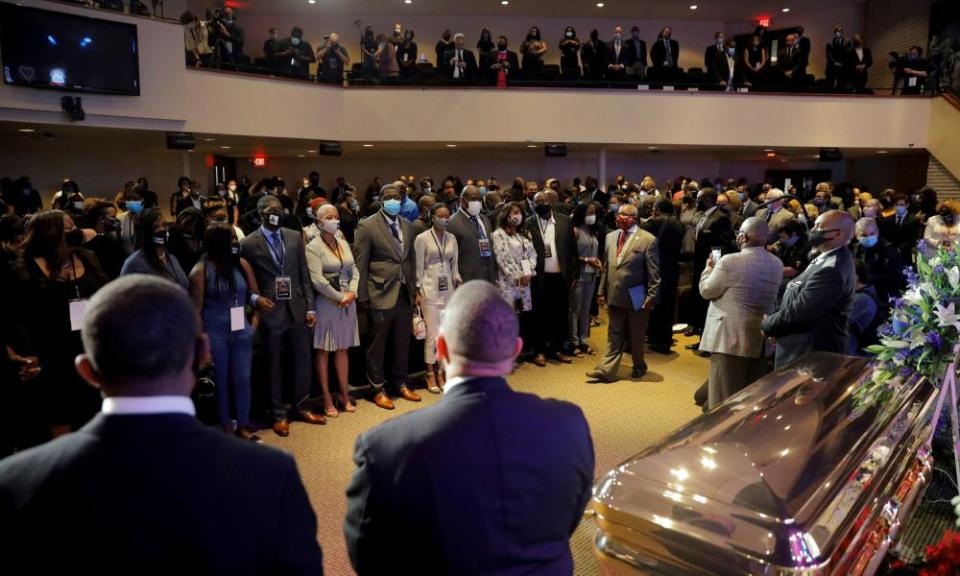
x=774, y=214
x=280, y=265
x=741, y=288
x=815, y=309
x=383, y=250
x=630, y=283
x=472, y=231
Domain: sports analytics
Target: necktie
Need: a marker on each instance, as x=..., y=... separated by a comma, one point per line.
x=621, y=241
x=476, y=222
x=277, y=242
x=768, y=216
x=396, y=233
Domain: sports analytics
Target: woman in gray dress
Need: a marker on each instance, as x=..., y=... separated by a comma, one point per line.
x=335, y=279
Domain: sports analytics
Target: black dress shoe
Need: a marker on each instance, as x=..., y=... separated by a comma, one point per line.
x=693, y=346
x=638, y=372
x=660, y=349
x=691, y=331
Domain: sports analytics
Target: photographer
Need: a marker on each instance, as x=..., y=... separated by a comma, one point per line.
x=226, y=37
x=333, y=58
x=295, y=54
x=912, y=70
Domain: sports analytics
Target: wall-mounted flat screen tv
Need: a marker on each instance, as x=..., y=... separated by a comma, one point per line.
x=45, y=49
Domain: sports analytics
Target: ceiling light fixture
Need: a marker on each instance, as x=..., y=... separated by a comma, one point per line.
x=693, y=6
x=26, y=130
x=224, y=147
x=451, y=145
x=531, y=145
x=209, y=139
x=301, y=155
x=368, y=145
x=881, y=151
x=652, y=148
x=311, y=1
x=785, y=10
x=311, y=151
x=408, y=1
x=599, y=4
x=505, y=2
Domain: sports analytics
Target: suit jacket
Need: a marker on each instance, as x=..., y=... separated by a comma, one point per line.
x=710, y=56
x=903, y=236
x=565, y=243
x=256, y=251
x=468, y=58
x=381, y=262
x=513, y=62
x=638, y=50
x=658, y=53
x=721, y=69
x=836, y=54
x=155, y=494
x=805, y=47
x=795, y=62
x=777, y=220
x=472, y=265
x=852, y=60
x=601, y=197
x=741, y=288
x=669, y=234
x=626, y=57
x=750, y=208
x=815, y=310
x=715, y=231
x=509, y=475
x=638, y=264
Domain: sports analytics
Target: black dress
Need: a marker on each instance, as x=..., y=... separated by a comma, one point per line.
x=569, y=64
x=63, y=397
x=485, y=53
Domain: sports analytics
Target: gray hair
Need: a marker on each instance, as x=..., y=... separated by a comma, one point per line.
x=266, y=202
x=866, y=223
x=139, y=327
x=479, y=324
x=325, y=208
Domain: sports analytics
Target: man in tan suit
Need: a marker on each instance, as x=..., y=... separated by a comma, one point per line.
x=775, y=215
x=630, y=284
x=741, y=288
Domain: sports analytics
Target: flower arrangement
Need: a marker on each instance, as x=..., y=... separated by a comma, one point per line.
x=923, y=326
x=941, y=559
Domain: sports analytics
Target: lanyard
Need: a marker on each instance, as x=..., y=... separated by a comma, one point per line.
x=441, y=249
x=543, y=229
x=336, y=252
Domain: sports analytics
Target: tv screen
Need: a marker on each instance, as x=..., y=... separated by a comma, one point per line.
x=45, y=49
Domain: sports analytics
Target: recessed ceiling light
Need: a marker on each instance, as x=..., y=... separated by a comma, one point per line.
x=408, y=1
x=785, y=10
x=505, y=2
x=599, y=4
x=311, y=1
x=769, y=150
x=224, y=147
x=881, y=151
x=368, y=145
x=693, y=6
x=209, y=139
x=26, y=130
x=652, y=148
x=451, y=145
x=301, y=155
x=311, y=151
x=531, y=145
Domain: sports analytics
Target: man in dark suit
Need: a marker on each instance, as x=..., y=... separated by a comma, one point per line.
x=145, y=488
x=858, y=63
x=383, y=250
x=663, y=56
x=618, y=57
x=638, y=49
x=279, y=263
x=803, y=44
x=815, y=309
x=472, y=231
x=503, y=59
x=713, y=231
x=790, y=64
x=727, y=69
x=710, y=54
x=902, y=229
x=460, y=63
x=593, y=193
x=509, y=510
x=837, y=50
x=553, y=239
x=667, y=229
x=882, y=259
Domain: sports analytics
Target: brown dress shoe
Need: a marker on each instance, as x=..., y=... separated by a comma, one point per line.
x=383, y=401
x=540, y=360
x=409, y=394
x=311, y=418
x=281, y=428
x=246, y=434
x=562, y=358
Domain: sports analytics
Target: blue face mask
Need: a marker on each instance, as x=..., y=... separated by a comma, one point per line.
x=135, y=206
x=789, y=242
x=614, y=208
x=901, y=210
x=868, y=241
x=391, y=207
x=483, y=191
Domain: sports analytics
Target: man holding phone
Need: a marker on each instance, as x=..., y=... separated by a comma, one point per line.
x=630, y=284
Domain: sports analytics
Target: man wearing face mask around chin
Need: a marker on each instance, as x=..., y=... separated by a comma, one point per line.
x=279, y=262
x=472, y=230
x=383, y=250
x=295, y=54
x=557, y=268
x=881, y=257
x=814, y=312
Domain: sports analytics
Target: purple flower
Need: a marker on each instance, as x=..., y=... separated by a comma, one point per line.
x=938, y=269
x=906, y=371
x=902, y=355
x=911, y=275
x=922, y=246
x=934, y=339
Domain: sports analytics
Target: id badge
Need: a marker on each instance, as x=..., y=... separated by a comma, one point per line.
x=238, y=320
x=525, y=268
x=283, y=288
x=443, y=283
x=547, y=251
x=78, y=310
x=484, y=247
x=912, y=82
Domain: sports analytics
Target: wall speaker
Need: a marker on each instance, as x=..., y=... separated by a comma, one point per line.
x=555, y=150
x=331, y=149
x=181, y=141
x=830, y=155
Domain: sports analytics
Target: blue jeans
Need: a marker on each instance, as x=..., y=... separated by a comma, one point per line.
x=232, y=357
x=581, y=295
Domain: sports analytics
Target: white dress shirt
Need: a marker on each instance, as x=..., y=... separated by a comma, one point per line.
x=448, y=386
x=126, y=405
x=548, y=230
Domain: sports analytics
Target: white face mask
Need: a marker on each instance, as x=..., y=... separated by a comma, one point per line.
x=591, y=219
x=473, y=207
x=331, y=226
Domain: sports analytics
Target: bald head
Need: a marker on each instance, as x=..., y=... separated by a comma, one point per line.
x=140, y=337
x=756, y=232
x=839, y=228
x=479, y=332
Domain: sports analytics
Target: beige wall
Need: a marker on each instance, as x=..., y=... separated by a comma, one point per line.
x=944, y=127
x=894, y=26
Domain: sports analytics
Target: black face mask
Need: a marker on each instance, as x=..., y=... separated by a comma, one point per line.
x=159, y=238
x=74, y=238
x=702, y=206
x=542, y=210
x=502, y=46
x=818, y=237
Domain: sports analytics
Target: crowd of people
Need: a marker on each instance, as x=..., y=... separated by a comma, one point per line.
x=757, y=62
x=286, y=281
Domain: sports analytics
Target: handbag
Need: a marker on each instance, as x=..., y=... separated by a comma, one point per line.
x=419, y=325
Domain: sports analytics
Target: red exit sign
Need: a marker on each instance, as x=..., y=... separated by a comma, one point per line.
x=260, y=162
x=763, y=21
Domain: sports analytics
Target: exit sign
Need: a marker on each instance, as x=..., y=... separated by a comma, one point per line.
x=763, y=21
x=260, y=162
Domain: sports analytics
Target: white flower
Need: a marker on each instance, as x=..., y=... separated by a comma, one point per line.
x=890, y=343
x=935, y=262
x=947, y=317
x=913, y=296
x=953, y=275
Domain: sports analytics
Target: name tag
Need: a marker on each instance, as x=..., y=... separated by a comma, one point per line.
x=484, y=247
x=283, y=288
x=78, y=310
x=238, y=320
x=912, y=82
x=525, y=268
x=443, y=283
x=547, y=251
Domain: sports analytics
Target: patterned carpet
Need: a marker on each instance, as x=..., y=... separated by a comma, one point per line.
x=624, y=417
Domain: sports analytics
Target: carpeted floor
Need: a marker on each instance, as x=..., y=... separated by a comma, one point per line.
x=624, y=417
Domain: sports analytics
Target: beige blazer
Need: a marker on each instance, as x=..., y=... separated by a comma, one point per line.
x=741, y=288
x=638, y=263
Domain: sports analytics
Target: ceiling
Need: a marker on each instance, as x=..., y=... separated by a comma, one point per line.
x=714, y=10
x=60, y=139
